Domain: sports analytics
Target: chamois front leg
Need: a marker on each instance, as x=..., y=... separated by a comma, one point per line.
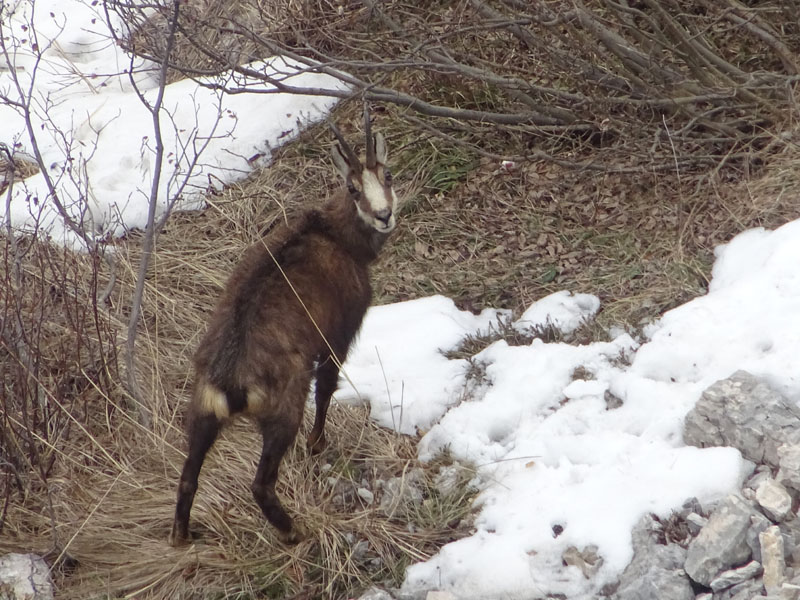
x=327, y=379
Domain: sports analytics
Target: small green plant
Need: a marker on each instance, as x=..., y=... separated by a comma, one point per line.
x=448, y=170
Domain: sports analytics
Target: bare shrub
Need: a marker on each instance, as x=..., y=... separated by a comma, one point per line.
x=57, y=361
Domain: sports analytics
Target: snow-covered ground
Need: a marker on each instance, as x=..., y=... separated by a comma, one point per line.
x=549, y=450
x=96, y=134
x=556, y=466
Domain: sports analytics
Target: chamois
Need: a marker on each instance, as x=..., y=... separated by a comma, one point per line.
x=290, y=309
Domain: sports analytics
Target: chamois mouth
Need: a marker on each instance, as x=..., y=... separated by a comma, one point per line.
x=382, y=227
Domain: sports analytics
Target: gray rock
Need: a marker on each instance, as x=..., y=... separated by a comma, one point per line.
x=760, y=473
x=744, y=412
x=789, y=463
x=366, y=495
x=24, y=577
x=375, y=593
x=790, y=529
x=733, y=577
x=772, y=558
x=722, y=544
x=759, y=523
x=790, y=591
x=773, y=499
x=360, y=549
x=439, y=595
x=749, y=590
x=656, y=569
x=400, y=492
x=695, y=522
x=447, y=480
x=692, y=505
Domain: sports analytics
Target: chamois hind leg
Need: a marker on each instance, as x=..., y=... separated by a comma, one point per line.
x=278, y=433
x=327, y=378
x=202, y=431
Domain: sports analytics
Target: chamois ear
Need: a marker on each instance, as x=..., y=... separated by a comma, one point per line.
x=381, y=153
x=340, y=162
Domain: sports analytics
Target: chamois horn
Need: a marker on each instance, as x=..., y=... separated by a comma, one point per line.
x=371, y=159
x=352, y=157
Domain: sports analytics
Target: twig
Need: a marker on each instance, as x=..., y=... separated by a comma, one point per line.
x=148, y=243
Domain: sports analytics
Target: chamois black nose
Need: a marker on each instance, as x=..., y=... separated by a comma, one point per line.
x=384, y=215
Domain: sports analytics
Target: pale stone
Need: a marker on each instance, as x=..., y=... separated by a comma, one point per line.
x=400, y=492
x=789, y=463
x=773, y=499
x=375, y=593
x=744, y=412
x=722, y=544
x=447, y=480
x=366, y=495
x=438, y=595
x=730, y=578
x=790, y=591
x=656, y=569
x=772, y=559
x=25, y=577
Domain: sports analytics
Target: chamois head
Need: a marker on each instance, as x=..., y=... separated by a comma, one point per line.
x=368, y=185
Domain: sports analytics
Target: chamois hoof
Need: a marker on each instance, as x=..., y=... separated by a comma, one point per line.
x=177, y=540
x=294, y=536
x=316, y=444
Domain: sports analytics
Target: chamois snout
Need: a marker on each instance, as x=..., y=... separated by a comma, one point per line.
x=384, y=215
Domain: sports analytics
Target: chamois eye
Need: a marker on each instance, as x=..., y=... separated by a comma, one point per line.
x=352, y=189
x=387, y=176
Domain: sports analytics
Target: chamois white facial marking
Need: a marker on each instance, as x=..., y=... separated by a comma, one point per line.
x=378, y=202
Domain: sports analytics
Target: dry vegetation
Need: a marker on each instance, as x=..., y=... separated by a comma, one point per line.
x=624, y=200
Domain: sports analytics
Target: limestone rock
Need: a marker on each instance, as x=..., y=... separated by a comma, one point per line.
x=789, y=463
x=695, y=522
x=721, y=544
x=759, y=523
x=399, y=492
x=773, y=559
x=375, y=593
x=744, y=412
x=728, y=579
x=366, y=495
x=790, y=591
x=773, y=499
x=24, y=577
x=748, y=590
x=437, y=595
x=656, y=569
x=447, y=480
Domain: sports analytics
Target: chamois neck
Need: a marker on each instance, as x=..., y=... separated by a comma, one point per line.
x=361, y=240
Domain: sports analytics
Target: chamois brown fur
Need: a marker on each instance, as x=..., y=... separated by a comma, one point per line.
x=289, y=311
